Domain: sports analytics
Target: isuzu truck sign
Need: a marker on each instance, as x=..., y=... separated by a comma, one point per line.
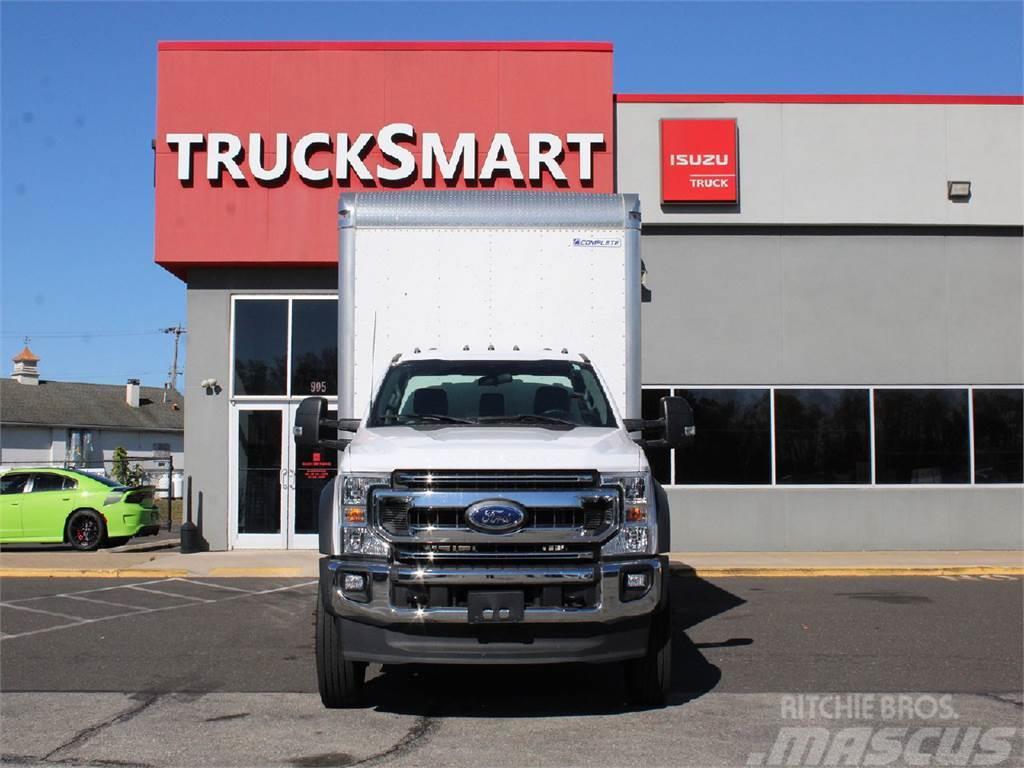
x=698, y=161
x=395, y=154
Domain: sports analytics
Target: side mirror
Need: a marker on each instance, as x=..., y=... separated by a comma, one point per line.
x=676, y=424
x=678, y=417
x=307, y=422
x=310, y=424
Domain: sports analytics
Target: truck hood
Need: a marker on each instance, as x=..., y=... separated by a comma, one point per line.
x=384, y=449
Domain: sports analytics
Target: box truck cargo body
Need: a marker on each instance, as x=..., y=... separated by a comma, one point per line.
x=493, y=502
x=479, y=270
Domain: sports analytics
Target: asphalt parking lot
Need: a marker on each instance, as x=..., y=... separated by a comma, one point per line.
x=182, y=672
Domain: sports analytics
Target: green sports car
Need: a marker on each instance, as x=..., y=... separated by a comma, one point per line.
x=62, y=505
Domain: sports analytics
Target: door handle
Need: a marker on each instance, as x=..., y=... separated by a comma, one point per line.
x=65, y=498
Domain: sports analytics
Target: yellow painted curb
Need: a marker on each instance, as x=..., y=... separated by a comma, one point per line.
x=687, y=570
x=255, y=572
x=85, y=573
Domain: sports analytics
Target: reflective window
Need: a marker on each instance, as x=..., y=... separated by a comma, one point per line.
x=921, y=436
x=314, y=468
x=13, y=483
x=259, y=471
x=261, y=346
x=998, y=436
x=314, y=347
x=660, y=459
x=822, y=436
x=47, y=482
x=733, y=440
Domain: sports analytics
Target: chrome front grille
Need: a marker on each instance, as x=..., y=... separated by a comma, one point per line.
x=568, y=516
x=487, y=553
x=493, y=480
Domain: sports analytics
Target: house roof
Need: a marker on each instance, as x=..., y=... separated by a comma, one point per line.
x=73, y=404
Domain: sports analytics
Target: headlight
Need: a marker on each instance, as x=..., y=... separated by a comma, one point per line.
x=638, y=534
x=356, y=538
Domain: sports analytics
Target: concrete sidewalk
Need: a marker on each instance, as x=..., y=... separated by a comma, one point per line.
x=277, y=563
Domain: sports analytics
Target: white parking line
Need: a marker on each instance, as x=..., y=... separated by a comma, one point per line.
x=101, y=602
x=171, y=594
x=40, y=610
x=214, y=586
x=86, y=591
x=136, y=611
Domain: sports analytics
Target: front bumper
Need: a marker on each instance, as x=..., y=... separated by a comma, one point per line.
x=611, y=606
x=375, y=630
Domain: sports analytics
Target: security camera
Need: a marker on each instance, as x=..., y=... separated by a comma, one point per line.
x=208, y=383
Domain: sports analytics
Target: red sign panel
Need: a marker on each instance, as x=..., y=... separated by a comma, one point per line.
x=256, y=141
x=698, y=161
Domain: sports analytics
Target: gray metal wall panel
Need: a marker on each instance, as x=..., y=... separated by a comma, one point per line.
x=819, y=309
x=206, y=417
x=842, y=163
x=778, y=519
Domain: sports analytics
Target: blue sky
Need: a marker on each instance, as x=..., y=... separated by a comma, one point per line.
x=77, y=104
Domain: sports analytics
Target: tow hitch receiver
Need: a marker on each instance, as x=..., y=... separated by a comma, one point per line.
x=495, y=607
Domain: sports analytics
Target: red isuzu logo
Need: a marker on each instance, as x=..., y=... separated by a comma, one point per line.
x=698, y=161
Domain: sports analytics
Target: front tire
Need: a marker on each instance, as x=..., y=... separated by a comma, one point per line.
x=340, y=681
x=649, y=678
x=86, y=530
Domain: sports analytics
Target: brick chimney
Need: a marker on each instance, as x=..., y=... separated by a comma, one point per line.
x=131, y=393
x=26, y=367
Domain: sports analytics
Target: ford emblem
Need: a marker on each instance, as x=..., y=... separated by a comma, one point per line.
x=496, y=516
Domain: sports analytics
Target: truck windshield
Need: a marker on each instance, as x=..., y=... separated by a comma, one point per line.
x=560, y=394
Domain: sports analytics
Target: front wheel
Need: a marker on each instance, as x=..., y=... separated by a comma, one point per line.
x=340, y=681
x=86, y=530
x=649, y=678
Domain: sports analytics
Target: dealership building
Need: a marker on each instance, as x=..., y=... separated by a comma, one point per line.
x=835, y=283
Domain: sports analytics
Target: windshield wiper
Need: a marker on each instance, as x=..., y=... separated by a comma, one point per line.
x=526, y=418
x=432, y=417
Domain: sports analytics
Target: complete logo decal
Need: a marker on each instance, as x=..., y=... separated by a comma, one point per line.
x=496, y=516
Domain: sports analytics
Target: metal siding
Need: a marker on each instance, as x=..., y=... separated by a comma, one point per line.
x=206, y=417
x=842, y=163
x=820, y=309
x=782, y=520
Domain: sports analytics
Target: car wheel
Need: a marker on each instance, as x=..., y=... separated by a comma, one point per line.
x=340, y=681
x=86, y=530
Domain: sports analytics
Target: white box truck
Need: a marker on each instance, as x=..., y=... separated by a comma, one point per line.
x=493, y=503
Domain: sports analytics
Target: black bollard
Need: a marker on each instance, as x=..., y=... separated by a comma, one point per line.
x=189, y=532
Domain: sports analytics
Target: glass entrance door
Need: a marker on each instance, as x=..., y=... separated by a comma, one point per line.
x=276, y=489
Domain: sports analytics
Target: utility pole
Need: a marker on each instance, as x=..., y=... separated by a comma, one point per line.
x=172, y=377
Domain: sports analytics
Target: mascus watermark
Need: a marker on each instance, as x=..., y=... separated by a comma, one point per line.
x=904, y=729
x=811, y=745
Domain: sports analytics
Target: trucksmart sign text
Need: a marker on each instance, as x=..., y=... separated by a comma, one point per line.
x=404, y=155
x=698, y=161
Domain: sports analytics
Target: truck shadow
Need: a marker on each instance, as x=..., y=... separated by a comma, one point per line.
x=561, y=689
